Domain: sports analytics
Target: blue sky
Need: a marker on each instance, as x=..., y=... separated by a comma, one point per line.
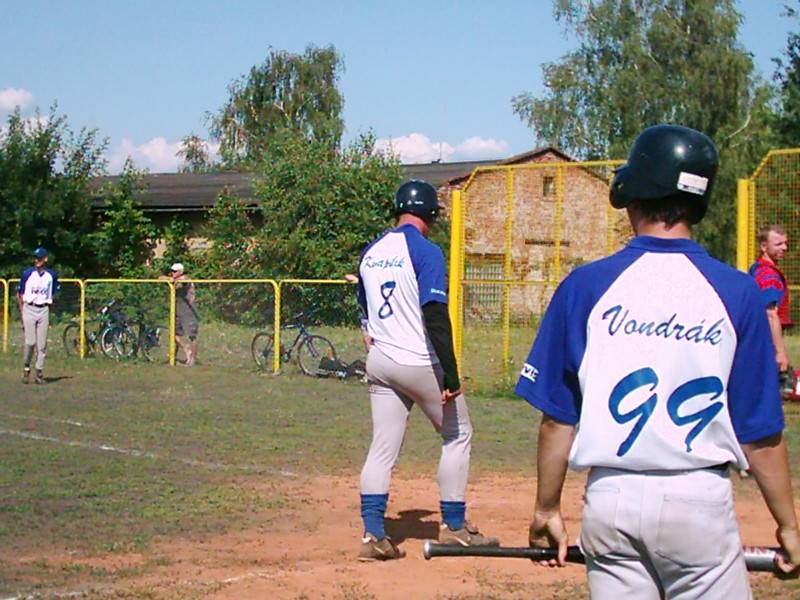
x=435, y=77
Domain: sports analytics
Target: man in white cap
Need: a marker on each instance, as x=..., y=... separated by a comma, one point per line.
x=187, y=321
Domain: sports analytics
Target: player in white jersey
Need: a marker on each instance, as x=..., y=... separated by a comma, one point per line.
x=654, y=368
x=37, y=286
x=411, y=361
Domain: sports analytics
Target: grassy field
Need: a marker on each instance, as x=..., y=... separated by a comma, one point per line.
x=109, y=457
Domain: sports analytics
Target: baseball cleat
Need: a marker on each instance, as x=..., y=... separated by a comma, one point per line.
x=26, y=376
x=373, y=549
x=38, y=379
x=468, y=535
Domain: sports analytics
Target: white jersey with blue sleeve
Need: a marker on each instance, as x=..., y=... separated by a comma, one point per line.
x=400, y=272
x=662, y=358
x=38, y=288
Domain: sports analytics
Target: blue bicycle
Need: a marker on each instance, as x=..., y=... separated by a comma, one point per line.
x=312, y=350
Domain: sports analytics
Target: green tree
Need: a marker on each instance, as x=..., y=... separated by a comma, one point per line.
x=232, y=234
x=125, y=237
x=639, y=63
x=194, y=154
x=787, y=77
x=287, y=91
x=176, y=245
x=44, y=192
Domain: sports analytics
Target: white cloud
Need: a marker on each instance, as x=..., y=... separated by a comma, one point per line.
x=415, y=148
x=10, y=98
x=158, y=155
x=477, y=148
x=419, y=148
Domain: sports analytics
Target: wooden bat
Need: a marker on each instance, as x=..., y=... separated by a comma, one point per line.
x=757, y=558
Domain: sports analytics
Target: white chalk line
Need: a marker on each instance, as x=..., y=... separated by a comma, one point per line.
x=215, y=466
x=45, y=420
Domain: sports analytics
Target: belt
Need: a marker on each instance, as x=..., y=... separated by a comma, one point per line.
x=36, y=305
x=720, y=467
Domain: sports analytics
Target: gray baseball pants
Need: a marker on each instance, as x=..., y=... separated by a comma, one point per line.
x=662, y=534
x=35, y=321
x=393, y=390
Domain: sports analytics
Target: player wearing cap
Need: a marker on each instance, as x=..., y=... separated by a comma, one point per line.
x=411, y=361
x=37, y=286
x=652, y=369
x=187, y=321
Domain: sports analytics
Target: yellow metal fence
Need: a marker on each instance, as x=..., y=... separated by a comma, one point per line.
x=236, y=309
x=516, y=231
x=771, y=195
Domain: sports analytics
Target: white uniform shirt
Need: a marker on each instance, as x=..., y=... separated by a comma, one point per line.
x=38, y=288
x=400, y=272
x=662, y=357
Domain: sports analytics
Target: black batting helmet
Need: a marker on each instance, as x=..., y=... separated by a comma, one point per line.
x=418, y=198
x=666, y=161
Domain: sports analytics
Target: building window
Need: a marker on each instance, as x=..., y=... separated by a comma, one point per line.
x=483, y=301
x=548, y=186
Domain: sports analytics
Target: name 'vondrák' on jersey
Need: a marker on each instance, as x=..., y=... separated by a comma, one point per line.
x=407, y=271
x=653, y=379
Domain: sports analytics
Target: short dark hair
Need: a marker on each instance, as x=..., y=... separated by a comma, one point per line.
x=763, y=233
x=672, y=209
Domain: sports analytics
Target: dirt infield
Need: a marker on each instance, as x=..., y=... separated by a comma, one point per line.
x=306, y=549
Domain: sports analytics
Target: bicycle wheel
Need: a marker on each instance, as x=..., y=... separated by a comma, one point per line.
x=313, y=349
x=126, y=344
x=151, y=339
x=261, y=349
x=72, y=340
x=106, y=339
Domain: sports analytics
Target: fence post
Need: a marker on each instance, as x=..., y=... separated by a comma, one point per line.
x=276, y=340
x=171, y=323
x=455, y=285
x=5, y=315
x=507, y=267
x=742, y=223
x=82, y=320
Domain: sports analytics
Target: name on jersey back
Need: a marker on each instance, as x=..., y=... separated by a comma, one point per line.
x=372, y=262
x=621, y=321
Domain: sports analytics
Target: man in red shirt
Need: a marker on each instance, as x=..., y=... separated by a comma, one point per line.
x=772, y=241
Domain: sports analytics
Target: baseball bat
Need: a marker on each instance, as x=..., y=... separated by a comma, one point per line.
x=757, y=558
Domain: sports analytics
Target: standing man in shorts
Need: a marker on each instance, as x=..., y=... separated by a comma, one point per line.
x=411, y=361
x=773, y=243
x=187, y=321
x=37, y=286
x=655, y=370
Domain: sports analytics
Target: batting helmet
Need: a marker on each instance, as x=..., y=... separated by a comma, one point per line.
x=40, y=252
x=418, y=198
x=665, y=161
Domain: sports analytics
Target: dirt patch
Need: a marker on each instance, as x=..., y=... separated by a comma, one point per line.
x=308, y=550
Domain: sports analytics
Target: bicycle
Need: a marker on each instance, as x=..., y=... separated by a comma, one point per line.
x=310, y=348
x=134, y=336
x=106, y=318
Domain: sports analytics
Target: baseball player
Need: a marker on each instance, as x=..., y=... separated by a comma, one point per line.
x=773, y=244
x=411, y=361
x=652, y=370
x=34, y=297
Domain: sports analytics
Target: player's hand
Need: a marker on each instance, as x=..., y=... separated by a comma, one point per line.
x=548, y=530
x=448, y=395
x=789, y=539
x=783, y=360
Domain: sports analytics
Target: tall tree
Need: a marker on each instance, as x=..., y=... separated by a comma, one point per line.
x=44, y=191
x=642, y=62
x=297, y=92
x=787, y=76
x=194, y=154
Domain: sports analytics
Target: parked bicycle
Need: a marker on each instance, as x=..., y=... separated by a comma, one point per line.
x=134, y=337
x=96, y=331
x=309, y=349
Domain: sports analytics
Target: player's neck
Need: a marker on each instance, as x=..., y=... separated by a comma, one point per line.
x=662, y=230
x=414, y=220
x=766, y=258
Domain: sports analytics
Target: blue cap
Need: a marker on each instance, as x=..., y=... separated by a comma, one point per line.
x=40, y=252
